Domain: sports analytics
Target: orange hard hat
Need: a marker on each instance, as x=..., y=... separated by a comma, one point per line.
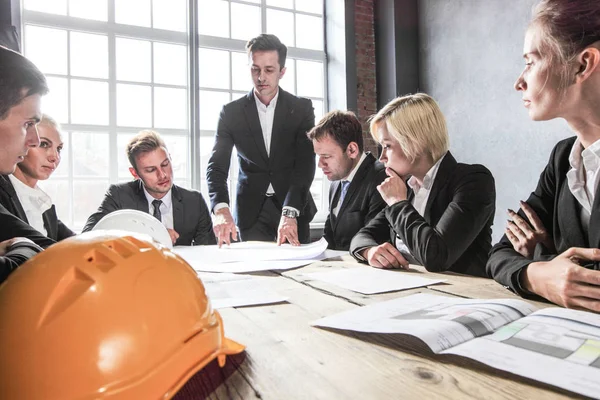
x=103, y=316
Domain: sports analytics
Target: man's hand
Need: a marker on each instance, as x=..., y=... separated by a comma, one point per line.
x=288, y=230
x=5, y=245
x=564, y=282
x=392, y=189
x=524, y=236
x=385, y=256
x=174, y=235
x=224, y=226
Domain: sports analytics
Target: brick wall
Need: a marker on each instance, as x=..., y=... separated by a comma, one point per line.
x=365, y=67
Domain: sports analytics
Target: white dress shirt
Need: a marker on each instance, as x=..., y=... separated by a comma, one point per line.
x=583, y=177
x=35, y=203
x=166, y=208
x=421, y=192
x=266, y=115
x=336, y=210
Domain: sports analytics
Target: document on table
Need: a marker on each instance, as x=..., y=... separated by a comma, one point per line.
x=232, y=290
x=556, y=346
x=441, y=322
x=253, y=256
x=369, y=280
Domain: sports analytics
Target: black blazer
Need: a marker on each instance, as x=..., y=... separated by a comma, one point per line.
x=12, y=226
x=191, y=218
x=456, y=232
x=289, y=167
x=9, y=199
x=559, y=211
x=362, y=203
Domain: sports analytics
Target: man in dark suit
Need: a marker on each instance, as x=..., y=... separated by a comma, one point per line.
x=276, y=160
x=182, y=211
x=353, y=196
x=21, y=88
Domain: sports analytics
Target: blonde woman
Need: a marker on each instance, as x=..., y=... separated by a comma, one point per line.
x=439, y=212
x=20, y=193
x=551, y=248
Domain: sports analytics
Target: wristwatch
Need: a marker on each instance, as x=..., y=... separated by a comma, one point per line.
x=289, y=213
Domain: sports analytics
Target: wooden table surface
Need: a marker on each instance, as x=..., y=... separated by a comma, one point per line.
x=286, y=358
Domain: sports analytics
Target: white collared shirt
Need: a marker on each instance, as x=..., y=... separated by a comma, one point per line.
x=266, y=115
x=349, y=179
x=35, y=203
x=166, y=208
x=421, y=192
x=583, y=177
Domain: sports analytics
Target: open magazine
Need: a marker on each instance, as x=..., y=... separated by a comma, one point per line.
x=556, y=346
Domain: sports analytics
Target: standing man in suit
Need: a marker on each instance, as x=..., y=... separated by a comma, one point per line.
x=353, y=196
x=21, y=87
x=182, y=211
x=277, y=164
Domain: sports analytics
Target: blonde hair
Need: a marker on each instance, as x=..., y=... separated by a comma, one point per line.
x=417, y=123
x=50, y=122
x=144, y=142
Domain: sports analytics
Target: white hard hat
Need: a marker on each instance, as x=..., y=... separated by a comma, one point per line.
x=136, y=221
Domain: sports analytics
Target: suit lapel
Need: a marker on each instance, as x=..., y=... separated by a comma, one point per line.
x=140, y=198
x=570, y=222
x=253, y=122
x=178, y=217
x=594, y=228
x=357, y=181
x=51, y=222
x=442, y=177
x=283, y=111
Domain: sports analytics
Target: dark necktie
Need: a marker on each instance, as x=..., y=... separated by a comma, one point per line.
x=156, y=204
x=345, y=185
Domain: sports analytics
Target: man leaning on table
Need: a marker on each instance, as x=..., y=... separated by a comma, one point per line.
x=268, y=129
x=353, y=196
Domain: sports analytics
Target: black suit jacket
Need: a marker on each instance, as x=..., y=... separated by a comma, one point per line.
x=10, y=200
x=12, y=226
x=289, y=166
x=560, y=213
x=361, y=204
x=191, y=218
x=455, y=234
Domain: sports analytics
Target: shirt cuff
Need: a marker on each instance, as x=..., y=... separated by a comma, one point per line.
x=218, y=206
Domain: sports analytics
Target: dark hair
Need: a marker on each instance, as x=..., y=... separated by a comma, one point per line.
x=341, y=126
x=19, y=78
x=566, y=28
x=144, y=142
x=267, y=42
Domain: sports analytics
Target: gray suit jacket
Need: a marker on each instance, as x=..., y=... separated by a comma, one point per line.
x=191, y=218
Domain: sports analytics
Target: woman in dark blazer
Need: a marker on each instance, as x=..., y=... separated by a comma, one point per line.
x=439, y=212
x=20, y=193
x=551, y=247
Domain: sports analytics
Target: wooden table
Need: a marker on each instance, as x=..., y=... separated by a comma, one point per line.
x=286, y=358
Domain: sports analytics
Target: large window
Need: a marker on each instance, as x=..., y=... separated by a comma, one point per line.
x=118, y=66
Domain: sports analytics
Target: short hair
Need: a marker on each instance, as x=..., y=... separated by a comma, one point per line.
x=268, y=42
x=417, y=123
x=50, y=122
x=19, y=78
x=566, y=28
x=144, y=142
x=341, y=126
